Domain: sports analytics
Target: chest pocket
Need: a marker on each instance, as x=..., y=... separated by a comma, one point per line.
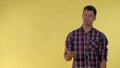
x=94, y=45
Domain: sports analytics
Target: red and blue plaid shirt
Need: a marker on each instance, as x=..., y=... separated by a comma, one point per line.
x=90, y=48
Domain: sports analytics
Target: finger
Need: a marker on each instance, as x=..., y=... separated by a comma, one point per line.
x=73, y=53
x=67, y=50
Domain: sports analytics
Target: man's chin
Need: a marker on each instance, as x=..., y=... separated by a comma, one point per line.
x=88, y=25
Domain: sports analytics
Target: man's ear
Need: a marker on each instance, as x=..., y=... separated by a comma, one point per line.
x=94, y=18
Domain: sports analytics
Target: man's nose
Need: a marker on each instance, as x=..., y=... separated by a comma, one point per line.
x=87, y=17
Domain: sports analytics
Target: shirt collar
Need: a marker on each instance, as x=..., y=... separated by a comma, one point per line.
x=82, y=30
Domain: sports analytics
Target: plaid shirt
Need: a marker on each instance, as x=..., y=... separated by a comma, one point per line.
x=90, y=48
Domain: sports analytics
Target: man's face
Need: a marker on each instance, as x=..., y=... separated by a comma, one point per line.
x=88, y=17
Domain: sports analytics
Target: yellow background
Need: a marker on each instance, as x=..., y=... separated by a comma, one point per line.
x=33, y=32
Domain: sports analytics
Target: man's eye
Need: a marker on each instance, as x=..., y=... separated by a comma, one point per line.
x=85, y=15
x=90, y=15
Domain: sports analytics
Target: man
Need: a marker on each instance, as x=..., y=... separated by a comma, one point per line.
x=86, y=45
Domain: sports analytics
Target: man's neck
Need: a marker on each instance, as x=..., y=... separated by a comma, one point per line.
x=87, y=28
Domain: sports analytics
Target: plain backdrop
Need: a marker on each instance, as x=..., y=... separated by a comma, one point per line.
x=33, y=32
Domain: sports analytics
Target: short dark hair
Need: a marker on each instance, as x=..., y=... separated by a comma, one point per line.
x=91, y=8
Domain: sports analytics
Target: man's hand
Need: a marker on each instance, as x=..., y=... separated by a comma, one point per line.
x=69, y=55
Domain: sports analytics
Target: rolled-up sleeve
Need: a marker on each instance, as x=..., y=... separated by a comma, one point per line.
x=69, y=42
x=103, y=48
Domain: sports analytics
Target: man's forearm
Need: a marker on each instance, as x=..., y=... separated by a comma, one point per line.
x=103, y=64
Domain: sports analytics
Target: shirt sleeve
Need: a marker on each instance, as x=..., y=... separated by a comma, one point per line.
x=69, y=42
x=103, y=48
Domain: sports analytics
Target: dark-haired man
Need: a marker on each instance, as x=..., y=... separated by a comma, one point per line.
x=86, y=45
